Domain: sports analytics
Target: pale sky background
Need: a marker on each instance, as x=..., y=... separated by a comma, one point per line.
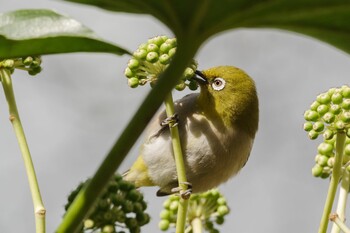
x=76, y=108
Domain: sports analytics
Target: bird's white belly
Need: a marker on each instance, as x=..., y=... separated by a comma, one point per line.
x=208, y=162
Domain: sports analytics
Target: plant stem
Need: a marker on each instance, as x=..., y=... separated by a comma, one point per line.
x=340, y=223
x=343, y=196
x=336, y=174
x=87, y=197
x=180, y=165
x=39, y=209
x=197, y=225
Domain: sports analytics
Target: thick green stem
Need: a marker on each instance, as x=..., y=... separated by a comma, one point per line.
x=85, y=200
x=336, y=174
x=39, y=209
x=340, y=223
x=180, y=165
x=342, y=200
x=196, y=224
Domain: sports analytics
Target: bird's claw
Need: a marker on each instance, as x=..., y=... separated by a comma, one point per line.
x=184, y=194
x=172, y=121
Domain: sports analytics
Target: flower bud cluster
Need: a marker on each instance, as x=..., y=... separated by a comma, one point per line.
x=325, y=157
x=151, y=59
x=329, y=114
x=210, y=207
x=120, y=208
x=32, y=64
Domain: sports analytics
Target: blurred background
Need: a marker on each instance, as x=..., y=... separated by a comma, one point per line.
x=77, y=107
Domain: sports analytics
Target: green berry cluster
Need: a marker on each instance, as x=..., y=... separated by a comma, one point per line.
x=210, y=207
x=329, y=114
x=30, y=64
x=151, y=59
x=121, y=207
x=325, y=157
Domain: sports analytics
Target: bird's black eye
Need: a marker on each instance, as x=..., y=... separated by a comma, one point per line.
x=218, y=84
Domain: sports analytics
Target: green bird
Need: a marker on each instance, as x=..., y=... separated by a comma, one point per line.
x=217, y=128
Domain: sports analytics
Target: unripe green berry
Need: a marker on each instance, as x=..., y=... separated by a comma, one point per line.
x=337, y=98
x=328, y=117
x=9, y=63
x=133, y=82
x=335, y=109
x=165, y=214
x=152, y=57
x=310, y=115
x=166, y=203
x=223, y=210
x=134, y=195
x=345, y=91
x=172, y=52
x=209, y=225
x=346, y=104
x=140, y=54
x=339, y=125
x=330, y=162
x=193, y=85
x=313, y=134
x=322, y=109
x=332, y=90
x=142, y=219
x=174, y=205
x=133, y=64
x=172, y=42
x=108, y=229
x=322, y=160
x=89, y=223
x=318, y=126
x=165, y=47
x=189, y=73
x=220, y=220
x=324, y=98
x=158, y=40
x=152, y=48
x=325, y=148
x=328, y=134
x=307, y=126
x=221, y=201
x=345, y=117
x=143, y=46
x=181, y=86
x=28, y=61
x=131, y=223
x=164, y=59
x=164, y=224
x=314, y=105
x=347, y=149
x=317, y=170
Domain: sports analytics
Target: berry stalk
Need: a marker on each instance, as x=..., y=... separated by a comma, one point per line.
x=336, y=174
x=180, y=165
x=342, y=200
x=39, y=209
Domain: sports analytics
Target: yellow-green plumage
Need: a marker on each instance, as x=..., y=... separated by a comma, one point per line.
x=217, y=129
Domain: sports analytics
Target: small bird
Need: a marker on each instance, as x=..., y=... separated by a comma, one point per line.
x=217, y=128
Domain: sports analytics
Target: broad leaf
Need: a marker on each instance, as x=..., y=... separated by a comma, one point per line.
x=200, y=19
x=37, y=32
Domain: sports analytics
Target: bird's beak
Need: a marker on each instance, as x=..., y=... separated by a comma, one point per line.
x=200, y=78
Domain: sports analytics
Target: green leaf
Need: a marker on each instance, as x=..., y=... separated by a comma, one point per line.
x=39, y=31
x=199, y=19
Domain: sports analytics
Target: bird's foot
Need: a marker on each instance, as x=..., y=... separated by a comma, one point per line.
x=172, y=121
x=184, y=194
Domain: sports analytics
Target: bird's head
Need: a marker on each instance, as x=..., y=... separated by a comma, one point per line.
x=229, y=94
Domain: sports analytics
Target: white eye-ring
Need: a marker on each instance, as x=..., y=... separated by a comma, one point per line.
x=218, y=84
